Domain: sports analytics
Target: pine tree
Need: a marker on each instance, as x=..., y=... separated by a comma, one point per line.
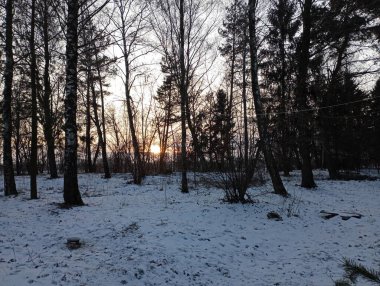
x=301, y=95
x=235, y=50
x=375, y=108
x=221, y=130
x=279, y=71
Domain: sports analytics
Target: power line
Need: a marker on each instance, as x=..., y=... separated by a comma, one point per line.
x=319, y=108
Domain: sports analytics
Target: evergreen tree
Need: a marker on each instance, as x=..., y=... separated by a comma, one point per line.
x=168, y=100
x=375, y=110
x=236, y=52
x=301, y=95
x=280, y=72
x=221, y=130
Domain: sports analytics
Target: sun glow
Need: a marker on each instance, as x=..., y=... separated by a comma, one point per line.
x=155, y=149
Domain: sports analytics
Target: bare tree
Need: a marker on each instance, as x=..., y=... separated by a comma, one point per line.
x=131, y=28
x=33, y=85
x=182, y=29
x=46, y=98
x=262, y=120
x=9, y=180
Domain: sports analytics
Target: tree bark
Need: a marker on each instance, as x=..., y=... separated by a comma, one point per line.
x=9, y=180
x=71, y=192
x=261, y=117
x=304, y=134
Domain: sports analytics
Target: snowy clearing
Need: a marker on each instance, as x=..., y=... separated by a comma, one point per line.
x=148, y=236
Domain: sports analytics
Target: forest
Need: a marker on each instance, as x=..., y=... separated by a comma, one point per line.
x=232, y=95
x=270, y=81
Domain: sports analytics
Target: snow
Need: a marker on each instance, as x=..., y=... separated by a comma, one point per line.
x=155, y=235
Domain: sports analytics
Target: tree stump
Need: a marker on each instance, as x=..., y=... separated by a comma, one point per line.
x=73, y=243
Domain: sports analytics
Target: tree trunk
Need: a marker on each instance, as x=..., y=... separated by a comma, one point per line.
x=284, y=139
x=9, y=179
x=183, y=92
x=107, y=174
x=106, y=168
x=194, y=135
x=71, y=192
x=261, y=117
x=137, y=172
x=304, y=136
x=244, y=95
x=90, y=167
x=231, y=99
x=33, y=151
x=102, y=126
x=165, y=133
x=48, y=122
x=18, y=137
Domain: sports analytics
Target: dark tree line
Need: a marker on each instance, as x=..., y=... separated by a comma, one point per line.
x=292, y=94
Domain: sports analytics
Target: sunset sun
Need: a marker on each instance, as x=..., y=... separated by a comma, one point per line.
x=155, y=149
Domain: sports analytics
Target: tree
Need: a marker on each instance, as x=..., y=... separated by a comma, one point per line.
x=9, y=180
x=235, y=49
x=96, y=66
x=182, y=29
x=131, y=28
x=167, y=99
x=33, y=76
x=46, y=99
x=261, y=116
x=376, y=123
x=279, y=72
x=183, y=92
x=221, y=131
x=342, y=28
x=301, y=94
x=71, y=192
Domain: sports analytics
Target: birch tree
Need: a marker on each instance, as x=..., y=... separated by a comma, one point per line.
x=71, y=192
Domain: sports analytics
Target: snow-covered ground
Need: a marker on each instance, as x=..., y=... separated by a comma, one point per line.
x=154, y=235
